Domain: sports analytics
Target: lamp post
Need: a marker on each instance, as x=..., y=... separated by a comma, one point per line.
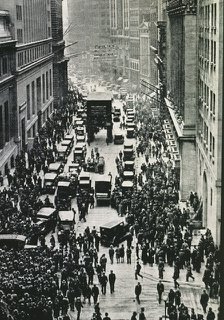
x=165, y=301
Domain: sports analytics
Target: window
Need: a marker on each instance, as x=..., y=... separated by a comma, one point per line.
x=49, y=32
x=50, y=83
x=38, y=95
x=213, y=103
x=5, y=65
x=47, y=86
x=29, y=133
x=20, y=35
x=211, y=200
x=214, y=21
x=28, y=101
x=18, y=12
x=43, y=87
x=33, y=97
x=1, y=129
x=210, y=143
x=213, y=147
x=34, y=130
x=214, y=52
x=7, y=127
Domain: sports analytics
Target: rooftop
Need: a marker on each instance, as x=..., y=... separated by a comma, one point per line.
x=100, y=96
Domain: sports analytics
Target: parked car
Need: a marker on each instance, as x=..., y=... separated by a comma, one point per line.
x=118, y=139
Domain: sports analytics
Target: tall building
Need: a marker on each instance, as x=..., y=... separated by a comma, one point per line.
x=182, y=89
x=89, y=26
x=31, y=27
x=8, y=112
x=209, y=112
x=60, y=74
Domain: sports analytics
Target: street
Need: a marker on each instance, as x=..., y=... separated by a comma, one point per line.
x=121, y=303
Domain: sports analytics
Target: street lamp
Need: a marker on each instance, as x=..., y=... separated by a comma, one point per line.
x=165, y=298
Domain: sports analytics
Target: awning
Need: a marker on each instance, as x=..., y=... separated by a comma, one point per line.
x=120, y=79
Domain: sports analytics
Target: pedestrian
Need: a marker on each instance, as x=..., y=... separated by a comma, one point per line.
x=134, y=316
x=78, y=306
x=112, y=279
x=117, y=252
x=160, y=290
x=142, y=314
x=204, y=300
x=103, y=262
x=138, y=291
x=106, y=317
x=111, y=254
x=193, y=315
x=137, y=271
x=210, y=315
x=189, y=273
x=128, y=255
x=95, y=293
x=103, y=282
x=177, y=297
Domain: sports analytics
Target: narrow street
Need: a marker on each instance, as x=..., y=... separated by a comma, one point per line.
x=121, y=303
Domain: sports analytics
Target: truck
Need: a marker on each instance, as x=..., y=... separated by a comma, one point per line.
x=103, y=189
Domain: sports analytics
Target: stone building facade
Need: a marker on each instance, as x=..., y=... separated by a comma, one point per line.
x=31, y=27
x=8, y=113
x=209, y=112
x=60, y=73
x=181, y=88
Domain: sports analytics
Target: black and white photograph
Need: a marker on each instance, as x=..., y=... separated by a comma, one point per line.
x=111, y=160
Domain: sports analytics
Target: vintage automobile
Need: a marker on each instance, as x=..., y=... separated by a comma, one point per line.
x=79, y=153
x=68, y=143
x=129, y=166
x=129, y=119
x=62, y=153
x=50, y=182
x=84, y=181
x=63, y=196
x=55, y=167
x=46, y=220
x=113, y=232
x=128, y=154
x=80, y=131
x=66, y=220
x=130, y=133
x=103, y=188
x=128, y=175
x=74, y=169
x=118, y=139
x=80, y=139
x=100, y=165
x=12, y=241
x=128, y=145
x=69, y=137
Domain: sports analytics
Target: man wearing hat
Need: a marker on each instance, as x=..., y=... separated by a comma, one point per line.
x=104, y=281
x=78, y=306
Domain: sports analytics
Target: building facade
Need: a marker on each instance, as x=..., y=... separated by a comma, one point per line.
x=181, y=88
x=60, y=73
x=8, y=113
x=31, y=27
x=210, y=108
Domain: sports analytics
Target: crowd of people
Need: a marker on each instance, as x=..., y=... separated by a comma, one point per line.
x=47, y=282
